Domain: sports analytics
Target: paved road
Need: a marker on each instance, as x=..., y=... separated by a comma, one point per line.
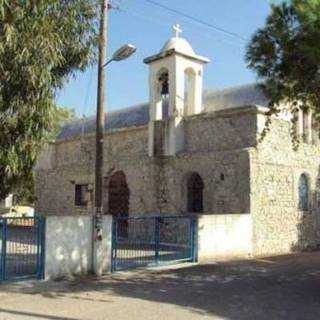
x=285, y=287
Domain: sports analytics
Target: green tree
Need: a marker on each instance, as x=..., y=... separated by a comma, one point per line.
x=285, y=54
x=25, y=191
x=60, y=117
x=42, y=44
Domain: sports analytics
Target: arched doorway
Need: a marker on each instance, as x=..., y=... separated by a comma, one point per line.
x=118, y=200
x=195, y=193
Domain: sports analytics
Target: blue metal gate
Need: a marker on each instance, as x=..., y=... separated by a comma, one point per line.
x=150, y=241
x=22, y=248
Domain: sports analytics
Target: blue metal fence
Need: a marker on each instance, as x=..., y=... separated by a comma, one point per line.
x=150, y=241
x=22, y=248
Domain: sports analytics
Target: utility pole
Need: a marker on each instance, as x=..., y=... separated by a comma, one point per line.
x=100, y=118
x=99, y=249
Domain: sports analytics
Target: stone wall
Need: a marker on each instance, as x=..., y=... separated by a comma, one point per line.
x=239, y=175
x=73, y=163
x=55, y=189
x=216, y=148
x=225, y=176
x=231, y=129
x=275, y=168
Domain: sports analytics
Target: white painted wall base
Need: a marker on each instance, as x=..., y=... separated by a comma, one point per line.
x=69, y=246
x=103, y=249
x=224, y=236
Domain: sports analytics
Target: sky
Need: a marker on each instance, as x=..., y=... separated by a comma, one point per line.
x=148, y=27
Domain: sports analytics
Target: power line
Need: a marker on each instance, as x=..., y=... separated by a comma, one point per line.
x=230, y=33
x=86, y=106
x=155, y=20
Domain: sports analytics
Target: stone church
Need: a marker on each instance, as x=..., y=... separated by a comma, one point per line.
x=193, y=151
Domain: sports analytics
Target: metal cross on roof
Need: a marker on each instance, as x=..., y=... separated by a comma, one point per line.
x=177, y=29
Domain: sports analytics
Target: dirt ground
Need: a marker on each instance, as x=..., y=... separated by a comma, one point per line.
x=286, y=287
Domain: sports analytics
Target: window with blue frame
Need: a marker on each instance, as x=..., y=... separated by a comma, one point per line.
x=304, y=192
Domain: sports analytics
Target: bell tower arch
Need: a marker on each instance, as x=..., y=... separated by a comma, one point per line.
x=175, y=91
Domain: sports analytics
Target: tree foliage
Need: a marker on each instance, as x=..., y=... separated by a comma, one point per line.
x=42, y=44
x=25, y=191
x=285, y=54
x=60, y=117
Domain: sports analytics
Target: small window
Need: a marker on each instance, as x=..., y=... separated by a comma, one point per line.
x=303, y=193
x=81, y=194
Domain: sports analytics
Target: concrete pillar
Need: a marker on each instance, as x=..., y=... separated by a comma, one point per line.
x=102, y=249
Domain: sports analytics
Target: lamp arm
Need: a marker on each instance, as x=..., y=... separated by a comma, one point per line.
x=109, y=61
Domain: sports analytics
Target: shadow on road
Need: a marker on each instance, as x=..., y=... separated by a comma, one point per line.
x=284, y=287
x=34, y=315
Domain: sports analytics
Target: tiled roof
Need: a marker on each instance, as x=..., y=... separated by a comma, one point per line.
x=233, y=97
x=138, y=115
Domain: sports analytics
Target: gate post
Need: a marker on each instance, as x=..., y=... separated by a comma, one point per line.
x=156, y=239
x=194, y=239
x=4, y=249
x=37, y=224
x=40, y=223
x=102, y=250
x=114, y=245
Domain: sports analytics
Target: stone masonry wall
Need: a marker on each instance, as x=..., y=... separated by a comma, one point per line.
x=232, y=129
x=74, y=164
x=239, y=175
x=278, y=225
x=156, y=184
x=225, y=176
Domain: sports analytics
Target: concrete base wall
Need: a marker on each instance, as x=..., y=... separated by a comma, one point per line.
x=69, y=246
x=103, y=249
x=70, y=249
x=224, y=236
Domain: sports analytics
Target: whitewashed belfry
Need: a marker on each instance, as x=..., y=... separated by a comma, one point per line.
x=175, y=88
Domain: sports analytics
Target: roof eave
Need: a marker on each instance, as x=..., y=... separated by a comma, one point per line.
x=247, y=108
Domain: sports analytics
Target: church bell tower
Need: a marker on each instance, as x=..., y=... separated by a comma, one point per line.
x=175, y=89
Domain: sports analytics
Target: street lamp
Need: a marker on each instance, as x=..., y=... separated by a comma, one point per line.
x=122, y=53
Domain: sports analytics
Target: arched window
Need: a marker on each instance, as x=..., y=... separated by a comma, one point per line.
x=303, y=192
x=189, y=91
x=162, y=112
x=307, y=125
x=164, y=82
x=195, y=193
x=118, y=200
x=305, y=122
